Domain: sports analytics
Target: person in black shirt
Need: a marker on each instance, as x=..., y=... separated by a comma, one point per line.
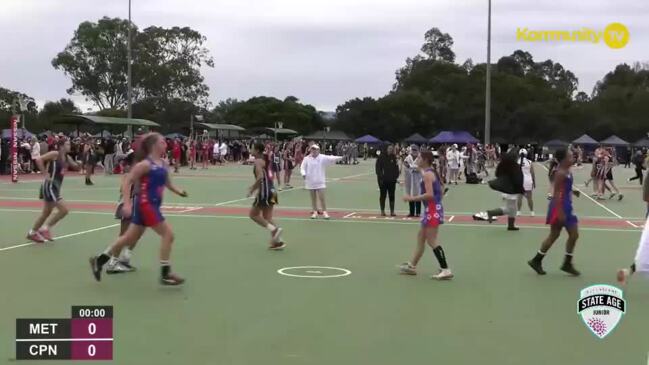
x=638, y=161
x=387, y=172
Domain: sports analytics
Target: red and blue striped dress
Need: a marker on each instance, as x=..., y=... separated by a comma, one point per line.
x=433, y=210
x=147, y=200
x=565, y=202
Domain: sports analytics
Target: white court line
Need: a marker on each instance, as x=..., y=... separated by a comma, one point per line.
x=59, y=237
x=349, y=215
x=348, y=177
x=193, y=209
x=170, y=205
x=362, y=221
x=284, y=191
x=451, y=219
x=599, y=204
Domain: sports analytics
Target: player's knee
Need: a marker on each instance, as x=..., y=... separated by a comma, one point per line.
x=63, y=211
x=169, y=235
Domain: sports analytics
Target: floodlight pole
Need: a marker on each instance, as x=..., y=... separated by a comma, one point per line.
x=128, y=68
x=487, y=120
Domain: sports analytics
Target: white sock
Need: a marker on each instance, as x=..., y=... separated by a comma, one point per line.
x=271, y=227
x=125, y=255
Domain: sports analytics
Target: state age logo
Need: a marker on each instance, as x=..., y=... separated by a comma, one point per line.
x=601, y=307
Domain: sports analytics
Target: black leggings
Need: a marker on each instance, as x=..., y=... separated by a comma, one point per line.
x=638, y=175
x=415, y=209
x=387, y=188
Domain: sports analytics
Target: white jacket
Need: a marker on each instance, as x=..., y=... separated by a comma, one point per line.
x=313, y=170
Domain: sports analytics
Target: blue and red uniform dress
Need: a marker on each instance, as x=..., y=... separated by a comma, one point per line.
x=148, y=196
x=565, y=202
x=433, y=210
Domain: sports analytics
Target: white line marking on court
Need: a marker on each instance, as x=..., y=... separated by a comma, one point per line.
x=349, y=215
x=349, y=177
x=190, y=210
x=59, y=237
x=451, y=219
x=344, y=272
x=362, y=220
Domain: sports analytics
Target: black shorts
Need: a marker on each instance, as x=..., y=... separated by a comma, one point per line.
x=268, y=200
x=50, y=192
x=276, y=167
x=609, y=176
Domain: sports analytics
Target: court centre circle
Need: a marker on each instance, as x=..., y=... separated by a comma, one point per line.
x=315, y=272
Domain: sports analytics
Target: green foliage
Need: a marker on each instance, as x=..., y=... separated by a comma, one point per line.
x=263, y=112
x=531, y=101
x=166, y=63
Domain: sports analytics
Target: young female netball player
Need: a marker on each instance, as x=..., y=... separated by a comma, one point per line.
x=54, y=163
x=560, y=216
x=289, y=164
x=262, y=208
x=126, y=192
x=432, y=218
x=276, y=164
x=149, y=177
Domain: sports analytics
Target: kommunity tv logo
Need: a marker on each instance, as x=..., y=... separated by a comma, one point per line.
x=615, y=35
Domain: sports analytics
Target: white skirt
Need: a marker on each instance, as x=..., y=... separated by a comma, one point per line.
x=528, y=184
x=642, y=255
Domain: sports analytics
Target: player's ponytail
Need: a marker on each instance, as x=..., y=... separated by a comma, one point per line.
x=146, y=145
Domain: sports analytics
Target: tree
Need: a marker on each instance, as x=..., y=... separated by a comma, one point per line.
x=263, y=112
x=438, y=46
x=53, y=109
x=166, y=63
x=95, y=61
x=8, y=107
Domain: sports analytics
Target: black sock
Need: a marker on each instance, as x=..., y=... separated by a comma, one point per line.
x=495, y=212
x=102, y=259
x=632, y=268
x=441, y=257
x=568, y=258
x=511, y=222
x=539, y=256
x=165, y=268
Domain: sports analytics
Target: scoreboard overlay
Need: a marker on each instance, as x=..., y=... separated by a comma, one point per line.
x=87, y=335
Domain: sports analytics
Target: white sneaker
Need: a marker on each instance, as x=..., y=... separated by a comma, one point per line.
x=325, y=215
x=444, y=274
x=532, y=214
x=407, y=269
x=518, y=214
x=314, y=215
x=116, y=267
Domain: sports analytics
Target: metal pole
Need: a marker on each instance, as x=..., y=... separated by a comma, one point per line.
x=191, y=126
x=129, y=76
x=487, y=120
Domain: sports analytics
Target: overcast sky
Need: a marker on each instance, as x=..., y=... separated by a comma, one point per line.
x=321, y=51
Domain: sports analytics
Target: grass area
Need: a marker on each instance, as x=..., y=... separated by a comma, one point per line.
x=236, y=309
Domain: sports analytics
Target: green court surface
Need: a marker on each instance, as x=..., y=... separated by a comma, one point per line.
x=237, y=309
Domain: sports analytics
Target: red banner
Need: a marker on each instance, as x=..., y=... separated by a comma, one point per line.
x=14, y=148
